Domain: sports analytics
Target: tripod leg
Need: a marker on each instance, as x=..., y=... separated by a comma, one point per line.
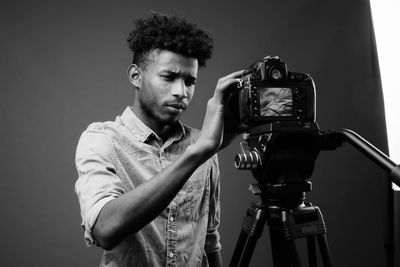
x=284, y=252
x=252, y=227
x=244, y=250
x=312, y=259
x=324, y=249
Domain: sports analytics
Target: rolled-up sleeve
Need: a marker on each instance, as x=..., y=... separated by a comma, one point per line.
x=97, y=183
x=213, y=244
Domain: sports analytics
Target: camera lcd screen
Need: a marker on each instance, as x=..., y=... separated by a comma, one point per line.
x=276, y=101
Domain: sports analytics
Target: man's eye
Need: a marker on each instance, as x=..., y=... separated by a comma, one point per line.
x=190, y=82
x=168, y=77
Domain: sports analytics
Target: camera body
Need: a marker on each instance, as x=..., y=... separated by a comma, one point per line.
x=268, y=93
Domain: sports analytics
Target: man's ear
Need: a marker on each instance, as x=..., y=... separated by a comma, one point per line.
x=134, y=75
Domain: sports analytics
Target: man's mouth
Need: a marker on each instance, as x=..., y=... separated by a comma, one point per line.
x=177, y=105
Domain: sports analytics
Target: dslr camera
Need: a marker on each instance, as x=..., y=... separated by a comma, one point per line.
x=269, y=93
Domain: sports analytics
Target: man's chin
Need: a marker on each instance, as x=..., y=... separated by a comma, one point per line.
x=170, y=119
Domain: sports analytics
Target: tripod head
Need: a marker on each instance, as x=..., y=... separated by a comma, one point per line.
x=281, y=156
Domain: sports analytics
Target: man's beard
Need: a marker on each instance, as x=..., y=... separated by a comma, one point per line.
x=147, y=109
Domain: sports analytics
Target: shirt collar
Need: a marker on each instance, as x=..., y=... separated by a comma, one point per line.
x=142, y=132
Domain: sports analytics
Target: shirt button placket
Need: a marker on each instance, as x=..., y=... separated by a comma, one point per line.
x=163, y=158
x=171, y=235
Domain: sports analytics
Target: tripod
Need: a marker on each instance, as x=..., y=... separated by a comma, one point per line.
x=288, y=219
x=281, y=156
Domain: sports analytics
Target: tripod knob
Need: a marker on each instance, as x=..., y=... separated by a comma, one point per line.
x=247, y=160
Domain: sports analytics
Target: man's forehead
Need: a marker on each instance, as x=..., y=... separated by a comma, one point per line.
x=165, y=60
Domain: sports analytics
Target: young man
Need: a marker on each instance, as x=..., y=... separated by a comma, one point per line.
x=148, y=185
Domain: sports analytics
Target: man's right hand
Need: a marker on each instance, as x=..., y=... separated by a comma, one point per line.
x=218, y=129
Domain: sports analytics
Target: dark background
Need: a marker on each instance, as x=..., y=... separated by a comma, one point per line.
x=63, y=65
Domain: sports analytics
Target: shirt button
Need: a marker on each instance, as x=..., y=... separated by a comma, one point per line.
x=171, y=255
x=171, y=219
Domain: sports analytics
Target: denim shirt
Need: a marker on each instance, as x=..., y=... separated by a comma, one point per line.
x=115, y=157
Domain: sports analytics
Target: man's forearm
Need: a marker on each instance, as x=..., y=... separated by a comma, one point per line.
x=131, y=211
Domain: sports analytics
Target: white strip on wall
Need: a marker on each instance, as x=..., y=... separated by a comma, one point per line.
x=386, y=20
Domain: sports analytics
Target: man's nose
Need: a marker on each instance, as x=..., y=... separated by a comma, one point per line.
x=179, y=89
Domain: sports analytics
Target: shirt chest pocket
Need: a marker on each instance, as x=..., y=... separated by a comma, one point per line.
x=193, y=198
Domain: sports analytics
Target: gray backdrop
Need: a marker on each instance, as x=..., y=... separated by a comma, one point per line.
x=63, y=65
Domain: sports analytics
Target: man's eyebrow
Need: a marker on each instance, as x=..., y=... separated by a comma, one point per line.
x=169, y=72
x=166, y=71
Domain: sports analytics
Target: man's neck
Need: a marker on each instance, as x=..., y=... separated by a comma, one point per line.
x=164, y=131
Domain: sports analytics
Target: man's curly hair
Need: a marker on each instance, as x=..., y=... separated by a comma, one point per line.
x=170, y=33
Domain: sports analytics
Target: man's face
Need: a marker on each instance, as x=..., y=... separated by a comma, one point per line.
x=166, y=88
